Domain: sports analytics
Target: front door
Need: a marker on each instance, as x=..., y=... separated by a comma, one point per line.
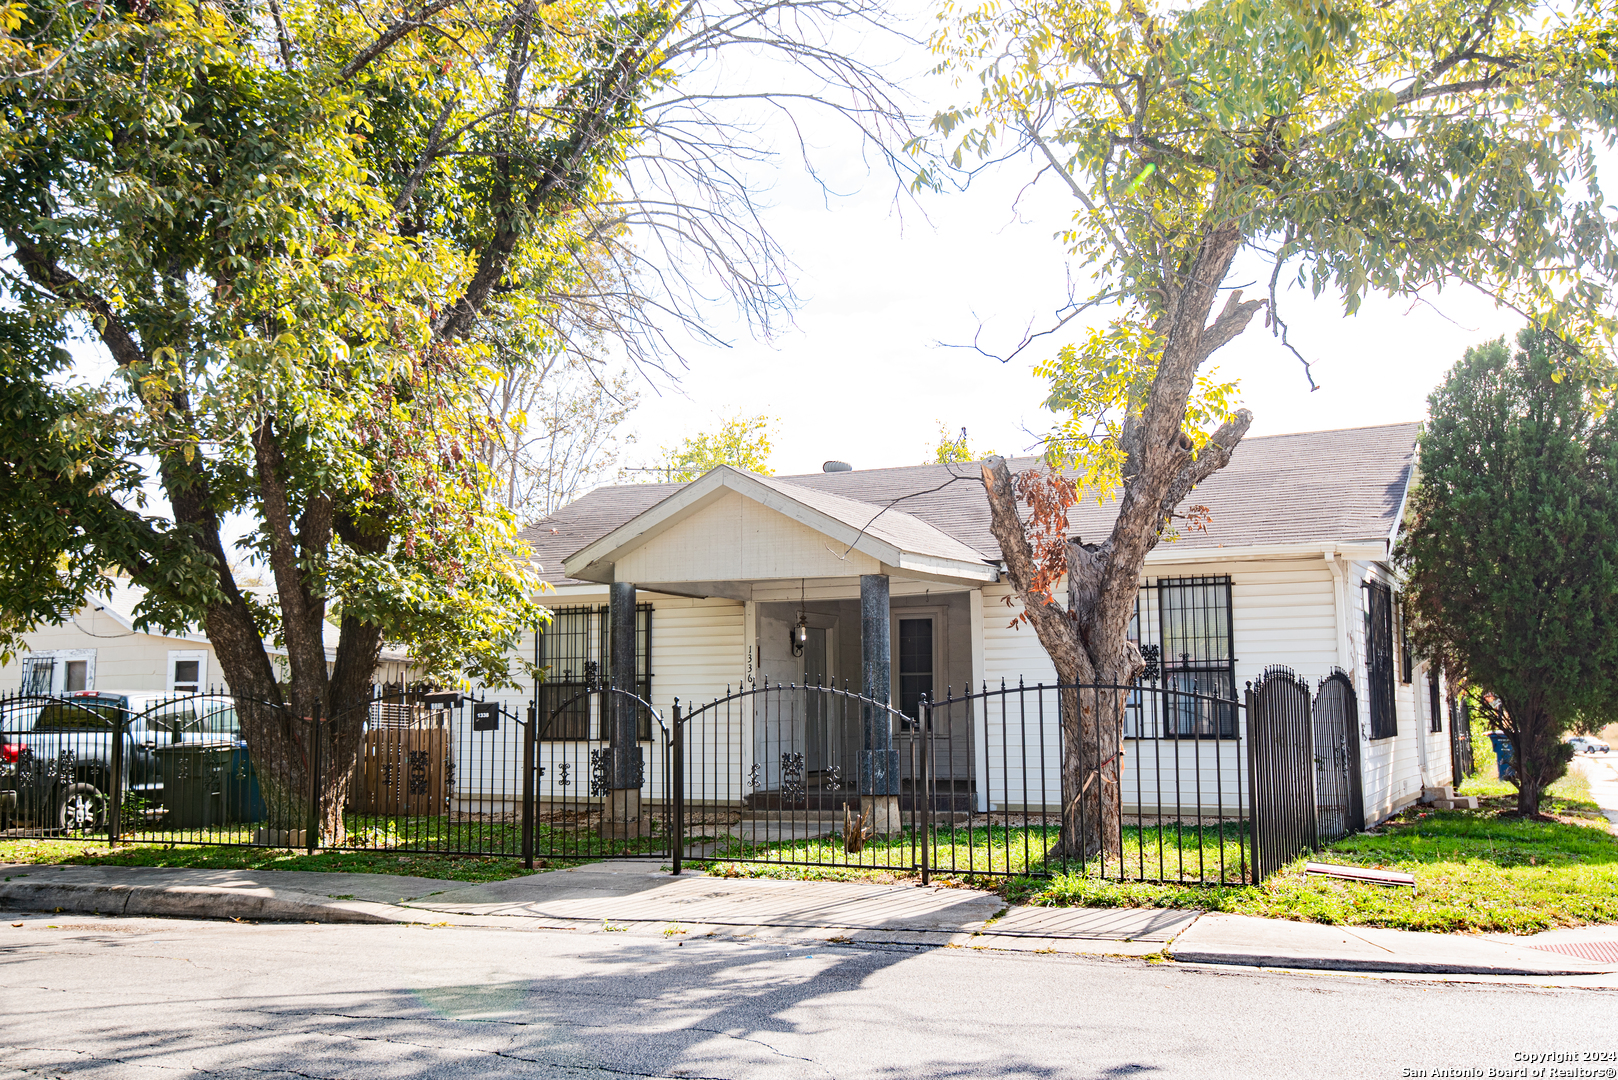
x=916, y=663
x=817, y=749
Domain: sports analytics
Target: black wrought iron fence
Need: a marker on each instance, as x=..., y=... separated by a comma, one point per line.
x=431, y=773
x=982, y=786
x=1156, y=781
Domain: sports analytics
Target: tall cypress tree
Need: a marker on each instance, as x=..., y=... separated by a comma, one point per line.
x=1512, y=547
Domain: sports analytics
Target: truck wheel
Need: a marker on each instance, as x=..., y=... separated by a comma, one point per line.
x=82, y=808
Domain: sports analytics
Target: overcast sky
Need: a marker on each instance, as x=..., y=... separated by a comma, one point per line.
x=889, y=282
x=862, y=377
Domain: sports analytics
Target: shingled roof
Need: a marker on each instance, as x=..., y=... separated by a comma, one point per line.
x=1316, y=487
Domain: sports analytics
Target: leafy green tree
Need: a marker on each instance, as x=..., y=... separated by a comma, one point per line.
x=742, y=441
x=59, y=480
x=1351, y=146
x=301, y=230
x=953, y=449
x=1511, y=551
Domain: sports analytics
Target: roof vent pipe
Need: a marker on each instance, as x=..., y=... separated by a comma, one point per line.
x=836, y=466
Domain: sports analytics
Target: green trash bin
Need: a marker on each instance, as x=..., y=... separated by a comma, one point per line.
x=194, y=782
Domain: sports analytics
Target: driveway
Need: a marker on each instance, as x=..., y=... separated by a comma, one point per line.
x=1602, y=770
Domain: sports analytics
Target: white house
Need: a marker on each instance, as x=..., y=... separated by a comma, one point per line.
x=1292, y=569
x=99, y=648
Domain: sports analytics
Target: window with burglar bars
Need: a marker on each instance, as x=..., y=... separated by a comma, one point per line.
x=576, y=651
x=38, y=674
x=1379, y=659
x=1183, y=626
x=1407, y=657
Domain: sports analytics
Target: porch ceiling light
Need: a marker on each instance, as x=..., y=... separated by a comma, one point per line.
x=800, y=632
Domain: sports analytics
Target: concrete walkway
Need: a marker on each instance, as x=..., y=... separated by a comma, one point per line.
x=643, y=893
x=641, y=897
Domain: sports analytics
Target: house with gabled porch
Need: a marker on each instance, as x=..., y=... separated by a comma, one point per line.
x=888, y=582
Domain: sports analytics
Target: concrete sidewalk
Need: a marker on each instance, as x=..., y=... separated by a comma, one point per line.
x=1239, y=939
x=270, y=895
x=640, y=896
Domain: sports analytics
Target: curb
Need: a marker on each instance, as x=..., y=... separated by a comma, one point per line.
x=1400, y=967
x=196, y=902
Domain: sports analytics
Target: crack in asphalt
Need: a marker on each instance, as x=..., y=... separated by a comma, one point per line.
x=284, y=1071
x=563, y=1022
x=511, y=1055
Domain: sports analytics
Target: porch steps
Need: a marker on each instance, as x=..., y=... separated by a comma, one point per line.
x=1444, y=798
x=833, y=803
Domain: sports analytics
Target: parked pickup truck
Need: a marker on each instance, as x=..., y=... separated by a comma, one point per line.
x=56, y=753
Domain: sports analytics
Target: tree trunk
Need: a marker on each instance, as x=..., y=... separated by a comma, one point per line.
x=1541, y=756
x=1092, y=778
x=1088, y=640
x=282, y=747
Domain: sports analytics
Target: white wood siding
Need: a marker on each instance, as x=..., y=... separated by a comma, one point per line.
x=1391, y=769
x=1284, y=611
x=697, y=649
x=1010, y=654
x=124, y=659
x=735, y=538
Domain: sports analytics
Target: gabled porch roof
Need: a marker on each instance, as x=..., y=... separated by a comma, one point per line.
x=801, y=532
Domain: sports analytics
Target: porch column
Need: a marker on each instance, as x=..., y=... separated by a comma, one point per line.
x=879, y=761
x=624, y=765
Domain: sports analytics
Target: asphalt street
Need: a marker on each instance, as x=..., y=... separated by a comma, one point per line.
x=145, y=998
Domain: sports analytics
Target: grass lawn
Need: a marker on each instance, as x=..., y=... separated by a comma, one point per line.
x=1475, y=871
x=200, y=857
x=386, y=836
x=1208, y=854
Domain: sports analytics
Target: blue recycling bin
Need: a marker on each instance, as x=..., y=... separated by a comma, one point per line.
x=243, y=800
x=1503, y=754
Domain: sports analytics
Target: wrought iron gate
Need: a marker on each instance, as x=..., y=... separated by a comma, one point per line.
x=778, y=773
x=1281, y=767
x=576, y=805
x=1339, y=802
x=775, y=773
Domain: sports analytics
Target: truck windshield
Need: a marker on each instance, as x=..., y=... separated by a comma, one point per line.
x=72, y=716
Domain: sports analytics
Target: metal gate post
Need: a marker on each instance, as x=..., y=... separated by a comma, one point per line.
x=529, y=733
x=677, y=753
x=115, y=808
x=1254, y=816
x=1307, y=782
x=926, y=711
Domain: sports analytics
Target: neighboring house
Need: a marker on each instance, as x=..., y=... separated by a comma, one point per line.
x=99, y=648
x=1292, y=569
